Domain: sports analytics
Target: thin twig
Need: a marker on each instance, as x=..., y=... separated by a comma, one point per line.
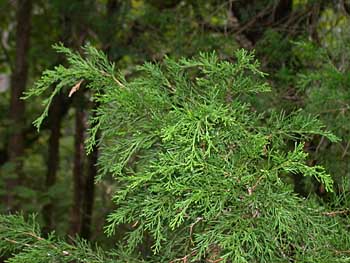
x=40, y=239
x=319, y=145
x=252, y=189
x=254, y=19
x=214, y=261
x=16, y=242
x=114, y=78
x=185, y=258
x=342, y=251
x=334, y=213
x=345, y=150
x=192, y=225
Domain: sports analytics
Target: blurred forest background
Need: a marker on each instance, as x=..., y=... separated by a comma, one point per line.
x=304, y=46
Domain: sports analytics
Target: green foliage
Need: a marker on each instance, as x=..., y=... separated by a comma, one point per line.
x=95, y=69
x=199, y=173
x=324, y=81
x=315, y=77
x=25, y=243
x=178, y=28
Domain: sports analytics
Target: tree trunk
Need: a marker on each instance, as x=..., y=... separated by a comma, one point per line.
x=108, y=34
x=53, y=159
x=89, y=193
x=58, y=110
x=78, y=169
x=113, y=7
x=77, y=39
x=18, y=83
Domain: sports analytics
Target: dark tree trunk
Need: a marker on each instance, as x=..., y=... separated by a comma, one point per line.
x=113, y=7
x=78, y=169
x=18, y=83
x=53, y=158
x=314, y=17
x=282, y=10
x=75, y=41
x=89, y=194
x=58, y=110
x=107, y=36
x=3, y=156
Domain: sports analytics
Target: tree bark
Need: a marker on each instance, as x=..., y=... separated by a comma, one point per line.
x=113, y=7
x=78, y=169
x=53, y=159
x=89, y=194
x=107, y=36
x=58, y=110
x=17, y=107
x=77, y=39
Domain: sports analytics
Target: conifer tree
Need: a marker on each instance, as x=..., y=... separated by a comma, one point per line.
x=200, y=175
